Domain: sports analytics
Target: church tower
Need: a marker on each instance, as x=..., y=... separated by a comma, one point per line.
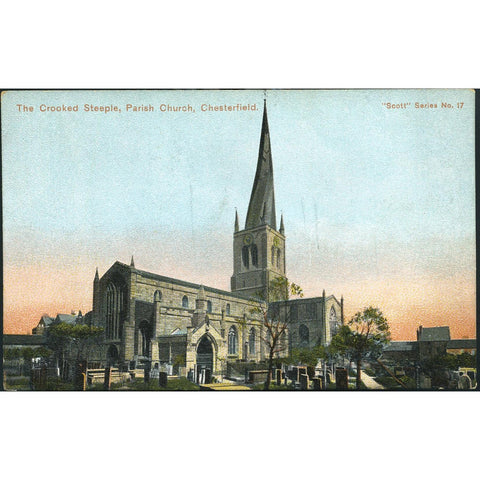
x=259, y=249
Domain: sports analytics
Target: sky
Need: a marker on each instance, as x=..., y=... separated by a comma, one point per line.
x=378, y=202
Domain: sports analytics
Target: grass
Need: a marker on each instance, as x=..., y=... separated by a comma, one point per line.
x=390, y=384
x=18, y=383
x=274, y=387
x=176, y=384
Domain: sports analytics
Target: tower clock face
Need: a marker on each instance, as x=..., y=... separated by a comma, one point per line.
x=248, y=239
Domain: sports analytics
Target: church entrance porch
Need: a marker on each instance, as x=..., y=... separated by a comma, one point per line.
x=204, y=361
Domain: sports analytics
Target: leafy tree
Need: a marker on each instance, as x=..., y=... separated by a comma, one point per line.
x=304, y=356
x=364, y=336
x=343, y=343
x=75, y=341
x=275, y=318
x=467, y=360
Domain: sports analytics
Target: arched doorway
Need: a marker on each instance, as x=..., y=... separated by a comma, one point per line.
x=144, y=337
x=112, y=355
x=205, y=354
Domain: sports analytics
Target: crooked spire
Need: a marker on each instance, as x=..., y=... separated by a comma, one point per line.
x=261, y=209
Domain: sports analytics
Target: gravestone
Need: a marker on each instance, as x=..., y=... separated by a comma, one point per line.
x=80, y=377
x=317, y=383
x=146, y=373
x=301, y=371
x=43, y=378
x=341, y=379
x=107, y=378
x=464, y=382
x=162, y=379
x=303, y=381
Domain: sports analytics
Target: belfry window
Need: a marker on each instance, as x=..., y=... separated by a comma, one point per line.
x=232, y=341
x=278, y=258
x=185, y=301
x=254, y=255
x=245, y=257
x=227, y=309
x=251, y=342
x=273, y=255
x=209, y=306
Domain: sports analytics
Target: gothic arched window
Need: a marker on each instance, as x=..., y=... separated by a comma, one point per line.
x=278, y=258
x=227, y=309
x=157, y=296
x=304, y=334
x=254, y=255
x=245, y=256
x=251, y=342
x=185, y=301
x=273, y=255
x=114, y=311
x=333, y=322
x=209, y=306
x=232, y=341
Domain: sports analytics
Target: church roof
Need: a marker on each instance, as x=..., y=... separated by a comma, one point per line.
x=261, y=209
x=400, y=347
x=183, y=283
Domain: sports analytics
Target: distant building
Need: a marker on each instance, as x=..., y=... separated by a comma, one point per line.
x=46, y=321
x=431, y=342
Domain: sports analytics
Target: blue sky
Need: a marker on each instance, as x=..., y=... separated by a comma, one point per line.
x=367, y=193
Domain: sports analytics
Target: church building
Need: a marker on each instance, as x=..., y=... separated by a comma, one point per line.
x=162, y=320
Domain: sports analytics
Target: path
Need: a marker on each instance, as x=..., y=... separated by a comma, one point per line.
x=370, y=383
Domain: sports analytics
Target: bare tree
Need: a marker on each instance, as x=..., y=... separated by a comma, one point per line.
x=275, y=315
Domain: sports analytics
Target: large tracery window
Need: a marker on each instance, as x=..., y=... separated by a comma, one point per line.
x=333, y=322
x=232, y=341
x=114, y=311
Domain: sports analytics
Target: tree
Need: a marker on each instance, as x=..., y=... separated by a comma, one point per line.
x=275, y=318
x=343, y=343
x=365, y=335
x=73, y=340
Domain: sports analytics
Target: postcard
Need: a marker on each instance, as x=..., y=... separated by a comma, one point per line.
x=239, y=240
